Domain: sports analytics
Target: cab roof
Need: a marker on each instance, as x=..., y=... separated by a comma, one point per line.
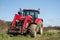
x=31, y=10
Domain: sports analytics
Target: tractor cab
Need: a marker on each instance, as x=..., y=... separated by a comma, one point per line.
x=31, y=12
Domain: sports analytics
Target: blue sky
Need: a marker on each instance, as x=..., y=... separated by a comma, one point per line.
x=49, y=9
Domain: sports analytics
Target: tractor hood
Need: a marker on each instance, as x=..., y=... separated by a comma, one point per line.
x=17, y=17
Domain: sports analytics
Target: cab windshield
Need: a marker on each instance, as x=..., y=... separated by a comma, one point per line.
x=32, y=13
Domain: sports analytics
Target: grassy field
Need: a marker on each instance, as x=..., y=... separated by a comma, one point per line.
x=50, y=33
x=45, y=36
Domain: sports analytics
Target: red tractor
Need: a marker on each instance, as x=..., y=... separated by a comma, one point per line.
x=27, y=20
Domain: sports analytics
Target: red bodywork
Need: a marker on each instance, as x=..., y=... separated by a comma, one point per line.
x=28, y=19
x=17, y=17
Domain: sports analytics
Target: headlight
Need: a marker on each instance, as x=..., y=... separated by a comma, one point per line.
x=17, y=20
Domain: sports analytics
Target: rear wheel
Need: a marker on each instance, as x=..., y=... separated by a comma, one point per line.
x=33, y=30
x=40, y=28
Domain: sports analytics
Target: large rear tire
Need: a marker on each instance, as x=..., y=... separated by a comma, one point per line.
x=33, y=30
x=40, y=28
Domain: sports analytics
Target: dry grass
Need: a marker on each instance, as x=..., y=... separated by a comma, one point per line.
x=45, y=36
x=50, y=33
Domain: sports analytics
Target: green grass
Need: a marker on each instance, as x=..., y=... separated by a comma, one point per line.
x=45, y=36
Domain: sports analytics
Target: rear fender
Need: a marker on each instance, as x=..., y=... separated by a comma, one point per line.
x=38, y=21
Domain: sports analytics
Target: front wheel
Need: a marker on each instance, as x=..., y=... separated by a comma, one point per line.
x=33, y=30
